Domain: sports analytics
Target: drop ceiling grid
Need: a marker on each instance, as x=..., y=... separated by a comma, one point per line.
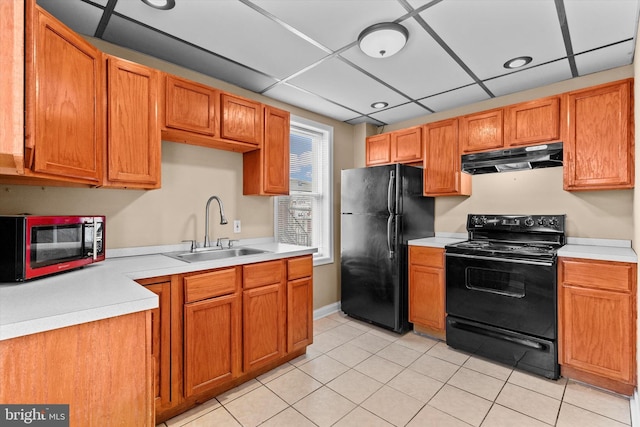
x=283, y=46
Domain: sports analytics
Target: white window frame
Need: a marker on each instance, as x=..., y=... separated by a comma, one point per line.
x=325, y=253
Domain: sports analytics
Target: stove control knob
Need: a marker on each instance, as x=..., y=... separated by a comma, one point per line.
x=529, y=222
x=553, y=222
x=478, y=220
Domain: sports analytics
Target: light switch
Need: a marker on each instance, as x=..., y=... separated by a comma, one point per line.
x=236, y=226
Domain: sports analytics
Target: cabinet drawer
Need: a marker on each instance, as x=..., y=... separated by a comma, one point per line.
x=264, y=273
x=209, y=285
x=299, y=267
x=430, y=257
x=613, y=276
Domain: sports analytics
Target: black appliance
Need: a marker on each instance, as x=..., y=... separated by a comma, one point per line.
x=513, y=159
x=502, y=290
x=382, y=207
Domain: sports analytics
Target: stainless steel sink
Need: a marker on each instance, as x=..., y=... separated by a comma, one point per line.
x=213, y=254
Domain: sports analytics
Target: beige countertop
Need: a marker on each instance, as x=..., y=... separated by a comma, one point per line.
x=107, y=289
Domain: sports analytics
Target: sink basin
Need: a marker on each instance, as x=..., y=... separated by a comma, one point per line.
x=213, y=254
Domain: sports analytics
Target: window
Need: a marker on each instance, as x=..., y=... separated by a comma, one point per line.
x=304, y=217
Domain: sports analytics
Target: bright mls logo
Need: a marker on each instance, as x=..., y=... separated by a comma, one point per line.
x=34, y=415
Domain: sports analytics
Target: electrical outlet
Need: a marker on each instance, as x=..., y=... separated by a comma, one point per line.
x=236, y=226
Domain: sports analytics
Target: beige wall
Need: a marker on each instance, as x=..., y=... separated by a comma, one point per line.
x=190, y=174
x=595, y=214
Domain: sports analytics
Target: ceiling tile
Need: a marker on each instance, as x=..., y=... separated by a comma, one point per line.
x=342, y=20
x=485, y=34
x=231, y=29
x=602, y=59
x=81, y=17
x=311, y=102
x=400, y=113
x=597, y=23
x=455, y=98
x=530, y=78
x=420, y=69
x=343, y=84
x=125, y=33
x=365, y=119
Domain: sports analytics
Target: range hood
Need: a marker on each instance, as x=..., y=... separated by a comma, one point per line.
x=513, y=159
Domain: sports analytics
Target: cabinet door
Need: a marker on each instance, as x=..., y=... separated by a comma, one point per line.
x=266, y=171
x=597, y=332
x=12, y=88
x=533, y=122
x=241, y=119
x=133, y=131
x=406, y=145
x=481, y=132
x=65, y=107
x=161, y=343
x=190, y=106
x=299, y=313
x=598, y=144
x=442, y=174
x=427, y=287
x=378, y=149
x=211, y=343
x=263, y=325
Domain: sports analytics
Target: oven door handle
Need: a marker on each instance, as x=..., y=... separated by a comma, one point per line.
x=515, y=261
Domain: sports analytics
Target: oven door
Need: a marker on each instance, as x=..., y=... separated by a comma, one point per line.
x=517, y=295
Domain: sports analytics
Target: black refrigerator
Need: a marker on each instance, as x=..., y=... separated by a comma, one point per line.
x=382, y=207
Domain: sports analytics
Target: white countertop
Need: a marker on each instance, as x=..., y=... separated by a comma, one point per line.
x=106, y=289
x=599, y=249
x=440, y=240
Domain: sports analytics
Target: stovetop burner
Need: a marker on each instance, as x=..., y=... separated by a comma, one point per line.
x=513, y=236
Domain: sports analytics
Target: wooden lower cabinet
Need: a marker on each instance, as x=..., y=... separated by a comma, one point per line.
x=102, y=370
x=263, y=303
x=427, y=290
x=597, y=322
x=299, y=302
x=211, y=343
x=227, y=326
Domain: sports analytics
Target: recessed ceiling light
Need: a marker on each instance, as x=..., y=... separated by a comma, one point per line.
x=160, y=4
x=383, y=40
x=518, y=62
x=379, y=104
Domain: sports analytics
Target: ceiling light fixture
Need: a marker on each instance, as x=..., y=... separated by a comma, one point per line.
x=379, y=104
x=518, y=62
x=383, y=40
x=160, y=4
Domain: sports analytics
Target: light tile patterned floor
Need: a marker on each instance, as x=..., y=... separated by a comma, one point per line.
x=360, y=375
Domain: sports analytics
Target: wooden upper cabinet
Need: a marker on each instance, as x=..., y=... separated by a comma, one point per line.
x=241, y=119
x=133, y=129
x=190, y=106
x=64, y=101
x=406, y=145
x=378, y=150
x=598, y=139
x=532, y=122
x=481, y=131
x=12, y=88
x=266, y=171
x=442, y=174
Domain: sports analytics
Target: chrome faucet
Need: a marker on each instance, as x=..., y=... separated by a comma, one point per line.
x=223, y=220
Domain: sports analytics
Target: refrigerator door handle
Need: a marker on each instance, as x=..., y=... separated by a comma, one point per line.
x=390, y=236
x=390, y=196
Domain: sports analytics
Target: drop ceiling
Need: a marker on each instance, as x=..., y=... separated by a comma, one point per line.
x=305, y=52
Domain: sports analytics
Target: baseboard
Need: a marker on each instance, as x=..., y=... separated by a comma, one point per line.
x=635, y=409
x=326, y=310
